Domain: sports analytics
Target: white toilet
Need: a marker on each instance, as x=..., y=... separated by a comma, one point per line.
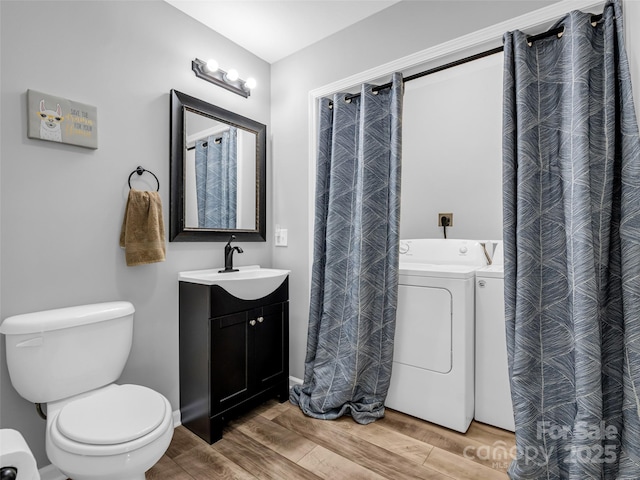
x=69, y=358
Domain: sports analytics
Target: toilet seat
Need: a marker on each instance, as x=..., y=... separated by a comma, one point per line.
x=112, y=416
x=116, y=419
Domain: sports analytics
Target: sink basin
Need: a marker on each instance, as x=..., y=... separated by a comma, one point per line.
x=249, y=283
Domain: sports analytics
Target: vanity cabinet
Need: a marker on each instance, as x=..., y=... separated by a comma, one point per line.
x=234, y=354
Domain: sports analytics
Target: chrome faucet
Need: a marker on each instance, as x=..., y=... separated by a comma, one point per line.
x=228, y=256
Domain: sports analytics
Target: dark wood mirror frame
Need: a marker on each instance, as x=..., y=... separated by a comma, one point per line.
x=177, y=230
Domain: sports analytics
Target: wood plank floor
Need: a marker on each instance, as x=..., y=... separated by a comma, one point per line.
x=277, y=441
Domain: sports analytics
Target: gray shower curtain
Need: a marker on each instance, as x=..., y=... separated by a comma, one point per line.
x=572, y=252
x=216, y=180
x=355, y=269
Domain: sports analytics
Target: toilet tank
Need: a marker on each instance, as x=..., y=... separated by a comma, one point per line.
x=56, y=354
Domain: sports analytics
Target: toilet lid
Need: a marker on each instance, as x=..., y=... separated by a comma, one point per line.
x=115, y=415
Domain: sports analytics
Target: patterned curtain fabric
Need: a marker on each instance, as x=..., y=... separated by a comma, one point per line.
x=572, y=251
x=354, y=281
x=216, y=180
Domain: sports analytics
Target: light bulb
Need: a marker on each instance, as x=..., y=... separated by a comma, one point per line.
x=233, y=75
x=212, y=65
x=250, y=83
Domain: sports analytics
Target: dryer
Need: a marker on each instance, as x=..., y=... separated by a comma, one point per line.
x=433, y=364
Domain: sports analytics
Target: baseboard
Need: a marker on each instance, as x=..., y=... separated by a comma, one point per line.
x=294, y=381
x=177, y=419
x=50, y=472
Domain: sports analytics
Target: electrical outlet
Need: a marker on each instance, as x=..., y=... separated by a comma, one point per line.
x=448, y=217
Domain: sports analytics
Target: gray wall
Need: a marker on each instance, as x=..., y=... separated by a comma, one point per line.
x=400, y=30
x=452, y=152
x=62, y=206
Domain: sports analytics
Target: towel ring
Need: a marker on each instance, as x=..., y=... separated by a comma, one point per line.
x=140, y=171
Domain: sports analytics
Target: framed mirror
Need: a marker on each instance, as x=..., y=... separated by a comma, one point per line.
x=218, y=173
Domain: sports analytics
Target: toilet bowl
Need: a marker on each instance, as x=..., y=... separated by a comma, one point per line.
x=131, y=432
x=69, y=359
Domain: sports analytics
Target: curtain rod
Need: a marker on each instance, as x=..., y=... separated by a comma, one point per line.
x=549, y=33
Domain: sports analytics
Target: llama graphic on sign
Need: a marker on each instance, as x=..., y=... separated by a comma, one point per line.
x=50, y=123
x=57, y=119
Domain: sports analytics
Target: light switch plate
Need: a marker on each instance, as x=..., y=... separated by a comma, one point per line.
x=281, y=237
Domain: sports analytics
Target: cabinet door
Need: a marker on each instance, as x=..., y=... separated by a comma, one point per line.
x=270, y=345
x=229, y=360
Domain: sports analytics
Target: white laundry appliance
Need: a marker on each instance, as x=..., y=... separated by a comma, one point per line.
x=433, y=361
x=493, y=393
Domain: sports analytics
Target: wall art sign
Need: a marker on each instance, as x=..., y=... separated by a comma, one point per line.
x=60, y=120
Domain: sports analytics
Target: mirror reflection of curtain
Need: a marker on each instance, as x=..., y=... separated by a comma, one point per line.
x=216, y=180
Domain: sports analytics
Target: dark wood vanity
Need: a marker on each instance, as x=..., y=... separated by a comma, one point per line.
x=234, y=354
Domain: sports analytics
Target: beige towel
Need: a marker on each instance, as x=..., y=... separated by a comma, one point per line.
x=142, y=234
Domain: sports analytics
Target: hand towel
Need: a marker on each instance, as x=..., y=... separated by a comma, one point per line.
x=142, y=234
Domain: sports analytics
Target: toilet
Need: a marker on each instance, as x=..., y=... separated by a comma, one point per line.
x=69, y=358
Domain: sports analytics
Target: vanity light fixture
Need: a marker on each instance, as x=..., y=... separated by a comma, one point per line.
x=211, y=72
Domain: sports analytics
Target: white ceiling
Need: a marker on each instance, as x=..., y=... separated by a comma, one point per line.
x=274, y=29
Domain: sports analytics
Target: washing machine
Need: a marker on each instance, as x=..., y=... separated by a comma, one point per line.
x=432, y=375
x=493, y=393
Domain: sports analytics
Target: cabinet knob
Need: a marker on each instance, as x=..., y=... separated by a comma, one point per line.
x=252, y=322
x=260, y=319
